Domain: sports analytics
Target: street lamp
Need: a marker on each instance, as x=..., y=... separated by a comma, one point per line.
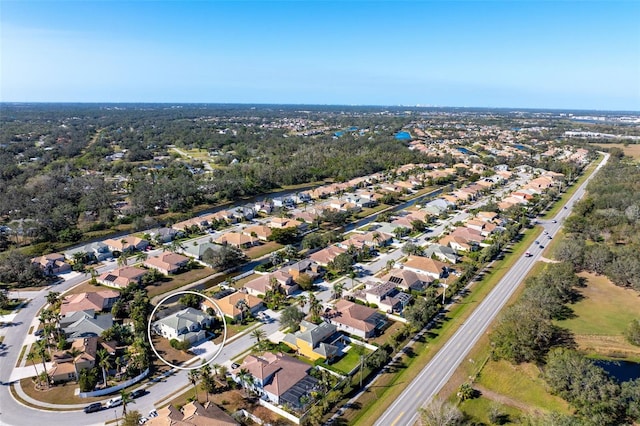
x=444, y=292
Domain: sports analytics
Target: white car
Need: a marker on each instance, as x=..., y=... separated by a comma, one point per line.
x=143, y=420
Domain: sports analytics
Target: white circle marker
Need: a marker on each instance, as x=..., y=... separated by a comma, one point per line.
x=213, y=302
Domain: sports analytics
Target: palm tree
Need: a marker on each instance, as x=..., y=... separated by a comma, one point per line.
x=122, y=260
x=377, y=238
x=246, y=379
x=315, y=307
x=103, y=362
x=41, y=350
x=208, y=383
x=31, y=356
x=259, y=335
x=141, y=256
x=337, y=290
x=126, y=399
x=52, y=298
x=216, y=369
x=194, y=376
x=302, y=301
x=243, y=307
x=390, y=264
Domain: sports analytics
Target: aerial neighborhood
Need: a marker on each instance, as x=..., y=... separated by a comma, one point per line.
x=316, y=290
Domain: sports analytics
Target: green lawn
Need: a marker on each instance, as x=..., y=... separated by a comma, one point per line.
x=522, y=383
x=478, y=408
x=349, y=361
x=12, y=305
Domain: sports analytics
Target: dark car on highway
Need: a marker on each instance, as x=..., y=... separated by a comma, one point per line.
x=92, y=408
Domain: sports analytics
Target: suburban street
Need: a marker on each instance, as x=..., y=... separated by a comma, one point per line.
x=13, y=412
x=427, y=383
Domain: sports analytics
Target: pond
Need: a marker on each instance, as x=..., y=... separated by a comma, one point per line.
x=623, y=371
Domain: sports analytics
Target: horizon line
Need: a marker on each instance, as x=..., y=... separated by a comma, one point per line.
x=315, y=105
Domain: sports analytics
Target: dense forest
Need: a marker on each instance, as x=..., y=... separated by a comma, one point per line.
x=603, y=232
x=68, y=171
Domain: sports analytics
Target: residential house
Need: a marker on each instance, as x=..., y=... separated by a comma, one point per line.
x=65, y=367
x=408, y=280
x=310, y=340
x=283, y=222
x=326, y=255
x=463, y=239
x=278, y=378
x=98, y=250
x=127, y=244
x=385, y=295
x=192, y=414
x=485, y=228
x=264, y=283
x=261, y=232
x=96, y=301
x=122, y=277
x=167, y=262
x=238, y=240
x=230, y=304
x=51, y=264
x=443, y=253
x=305, y=266
x=426, y=266
x=356, y=319
x=81, y=324
x=165, y=235
x=197, y=250
x=185, y=325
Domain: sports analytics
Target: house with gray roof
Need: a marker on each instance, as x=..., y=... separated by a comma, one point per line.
x=444, y=253
x=85, y=324
x=98, y=250
x=310, y=340
x=185, y=325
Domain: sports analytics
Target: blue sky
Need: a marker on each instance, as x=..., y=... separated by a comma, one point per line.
x=541, y=54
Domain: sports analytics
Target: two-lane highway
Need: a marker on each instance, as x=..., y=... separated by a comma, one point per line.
x=404, y=410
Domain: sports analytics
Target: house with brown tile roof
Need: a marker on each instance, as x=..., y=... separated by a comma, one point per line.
x=192, y=414
x=128, y=243
x=261, y=232
x=65, y=367
x=407, y=279
x=167, y=262
x=229, y=304
x=262, y=284
x=122, y=277
x=96, y=301
x=236, y=239
x=326, y=255
x=51, y=264
x=425, y=265
x=356, y=319
x=279, y=378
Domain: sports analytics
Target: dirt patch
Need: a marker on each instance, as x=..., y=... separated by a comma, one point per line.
x=170, y=354
x=503, y=399
x=58, y=394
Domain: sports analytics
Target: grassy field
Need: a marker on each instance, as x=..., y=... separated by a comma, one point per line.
x=256, y=252
x=602, y=316
x=13, y=304
x=177, y=281
x=630, y=150
x=478, y=408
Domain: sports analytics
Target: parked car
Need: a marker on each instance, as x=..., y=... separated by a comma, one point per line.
x=152, y=414
x=138, y=393
x=92, y=408
x=114, y=402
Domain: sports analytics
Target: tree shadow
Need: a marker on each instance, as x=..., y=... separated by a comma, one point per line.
x=564, y=338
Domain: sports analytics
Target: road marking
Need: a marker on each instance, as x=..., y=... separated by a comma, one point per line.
x=397, y=418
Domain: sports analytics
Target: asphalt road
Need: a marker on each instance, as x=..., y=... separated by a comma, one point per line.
x=427, y=383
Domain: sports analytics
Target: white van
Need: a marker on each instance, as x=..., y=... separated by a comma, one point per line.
x=114, y=402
